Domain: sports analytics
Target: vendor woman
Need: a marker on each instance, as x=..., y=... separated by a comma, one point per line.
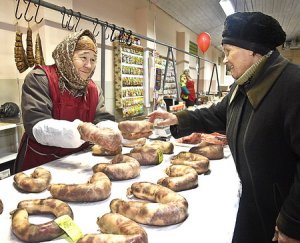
x=56, y=99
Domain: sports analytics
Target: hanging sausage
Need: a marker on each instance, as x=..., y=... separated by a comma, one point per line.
x=39, y=58
x=29, y=49
x=20, y=55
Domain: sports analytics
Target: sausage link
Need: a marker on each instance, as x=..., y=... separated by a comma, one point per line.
x=199, y=162
x=181, y=177
x=117, y=229
x=146, y=156
x=96, y=189
x=164, y=146
x=135, y=126
x=38, y=181
x=1, y=206
x=28, y=232
x=137, y=135
x=166, y=207
x=212, y=151
x=105, y=137
x=122, y=167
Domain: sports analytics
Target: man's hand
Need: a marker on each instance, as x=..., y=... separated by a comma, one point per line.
x=167, y=118
x=282, y=238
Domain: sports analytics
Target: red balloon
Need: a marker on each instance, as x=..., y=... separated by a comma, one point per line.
x=203, y=41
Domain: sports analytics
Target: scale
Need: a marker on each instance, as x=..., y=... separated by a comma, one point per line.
x=160, y=133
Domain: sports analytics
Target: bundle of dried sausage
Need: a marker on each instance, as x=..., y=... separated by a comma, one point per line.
x=20, y=55
x=39, y=57
x=97, y=188
x=107, y=138
x=180, y=177
x=38, y=181
x=29, y=48
x=116, y=228
x=135, y=129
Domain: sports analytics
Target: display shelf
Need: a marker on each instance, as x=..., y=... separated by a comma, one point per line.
x=6, y=157
x=4, y=126
x=129, y=79
x=170, y=87
x=9, y=143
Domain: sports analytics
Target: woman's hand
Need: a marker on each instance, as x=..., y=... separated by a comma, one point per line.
x=167, y=119
x=282, y=238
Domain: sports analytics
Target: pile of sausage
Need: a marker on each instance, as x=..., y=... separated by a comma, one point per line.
x=160, y=203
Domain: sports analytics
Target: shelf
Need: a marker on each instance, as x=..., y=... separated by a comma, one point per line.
x=132, y=65
x=7, y=157
x=131, y=54
x=132, y=75
x=4, y=126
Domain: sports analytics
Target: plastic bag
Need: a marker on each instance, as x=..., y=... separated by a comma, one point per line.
x=9, y=109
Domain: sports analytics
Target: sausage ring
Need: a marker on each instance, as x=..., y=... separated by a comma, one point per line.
x=135, y=126
x=116, y=228
x=38, y=181
x=28, y=232
x=1, y=206
x=197, y=161
x=96, y=189
x=122, y=167
x=166, y=207
x=147, y=155
x=181, y=177
x=164, y=146
x=211, y=151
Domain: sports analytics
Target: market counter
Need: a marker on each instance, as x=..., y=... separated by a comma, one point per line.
x=212, y=205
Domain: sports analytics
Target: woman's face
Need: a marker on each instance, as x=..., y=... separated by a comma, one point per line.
x=238, y=60
x=85, y=62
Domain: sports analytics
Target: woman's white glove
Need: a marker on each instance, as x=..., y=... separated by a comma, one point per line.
x=58, y=133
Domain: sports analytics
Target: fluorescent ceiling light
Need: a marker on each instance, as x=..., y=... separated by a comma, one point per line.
x=227, y=7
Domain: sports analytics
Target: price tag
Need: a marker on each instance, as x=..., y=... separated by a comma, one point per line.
x=66, y=223
x=160, y=156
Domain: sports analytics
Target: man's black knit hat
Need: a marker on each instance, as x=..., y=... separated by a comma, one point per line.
x=253, y=31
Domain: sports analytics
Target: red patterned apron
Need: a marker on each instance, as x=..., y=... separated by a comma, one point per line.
x=65, y=107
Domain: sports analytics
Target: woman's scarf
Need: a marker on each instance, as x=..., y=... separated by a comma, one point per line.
x=69, y=78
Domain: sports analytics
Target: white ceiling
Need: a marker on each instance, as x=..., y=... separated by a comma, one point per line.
x=208, y=16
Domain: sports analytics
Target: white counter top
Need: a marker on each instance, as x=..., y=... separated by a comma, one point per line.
x=212, y=205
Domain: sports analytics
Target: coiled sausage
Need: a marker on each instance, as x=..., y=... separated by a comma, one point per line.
x=198, y=162
x=38, y=181
x=122, y=167
x=211, y=151
x=117, y=229
x=181, y=177
x=146, y=156
x=169, y=207
x=96, y=189
x=28, y=232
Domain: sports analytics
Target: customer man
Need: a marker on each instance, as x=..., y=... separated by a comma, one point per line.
x=261, y=117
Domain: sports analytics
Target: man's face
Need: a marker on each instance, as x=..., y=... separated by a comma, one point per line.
x=237, y=59
x=84, y=62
